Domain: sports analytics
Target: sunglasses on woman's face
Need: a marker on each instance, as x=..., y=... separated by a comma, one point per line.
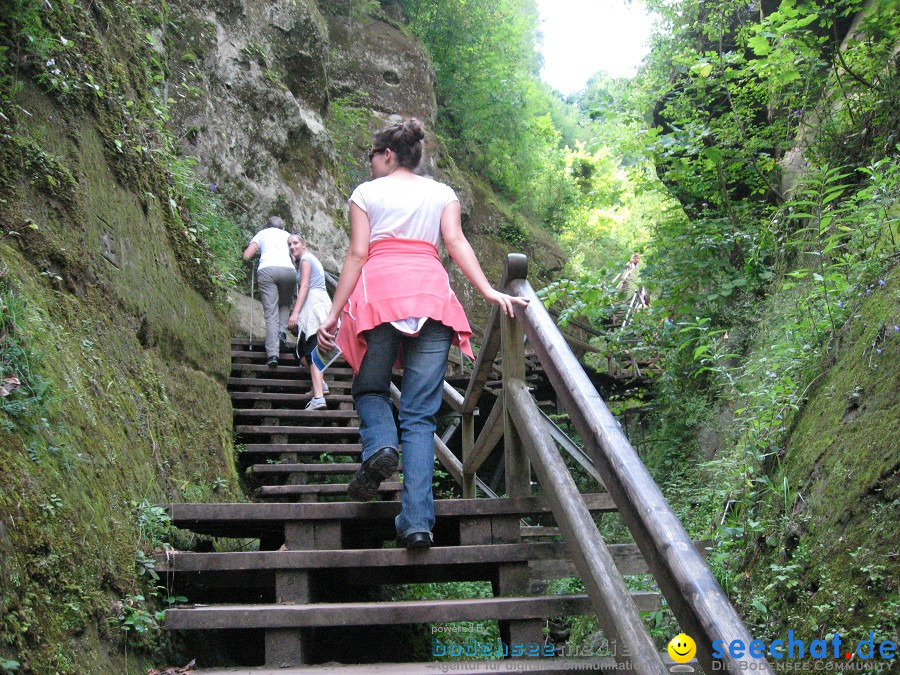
x=375, y=151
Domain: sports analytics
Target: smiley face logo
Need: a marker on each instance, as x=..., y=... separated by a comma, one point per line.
x=682, y=648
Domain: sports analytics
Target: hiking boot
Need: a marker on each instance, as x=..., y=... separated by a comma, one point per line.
x=272, y=362
x=316, y=403
x=364, y=485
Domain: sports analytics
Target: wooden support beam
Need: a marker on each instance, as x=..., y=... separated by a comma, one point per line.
x=453, y=398
x=698, y=602
x=518, y=471
x=490, y=345
x=491, y=433
x=468, y=443
x=612, y=603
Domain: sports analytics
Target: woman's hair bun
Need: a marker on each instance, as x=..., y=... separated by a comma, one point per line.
x=413, y=130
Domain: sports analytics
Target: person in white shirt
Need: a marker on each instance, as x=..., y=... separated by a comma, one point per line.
x=277, y=280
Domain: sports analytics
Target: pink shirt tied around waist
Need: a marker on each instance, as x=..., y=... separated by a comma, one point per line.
x=401, y=278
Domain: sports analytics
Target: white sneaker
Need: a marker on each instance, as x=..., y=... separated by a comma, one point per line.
x=316, y=404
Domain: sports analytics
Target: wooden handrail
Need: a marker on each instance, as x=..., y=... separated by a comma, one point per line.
x=698, y=602
x=610, y=599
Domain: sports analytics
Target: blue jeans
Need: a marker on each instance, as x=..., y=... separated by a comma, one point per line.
x=424, y=365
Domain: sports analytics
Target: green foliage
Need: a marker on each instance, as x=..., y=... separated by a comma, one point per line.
x=495, y=116
x=349, y=121
x=23, y=404
x=208, y=223
x=452, y=634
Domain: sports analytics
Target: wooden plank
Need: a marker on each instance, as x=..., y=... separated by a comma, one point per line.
x=319, y=489
x=293, y=383
x=341, y=468
x=541, y=555
x=539, y=531
x=382, y=613
x=448, y=459
x=285, y=397
x=518, y=470
x=296, y=431
x=174, y=561
x=246, y=513
x=452, y=397
x=333, y=371
x=701, y=607
x=303, y=448
x=490, y=435
x=468, y=442
x=283, y=413
x=615, y=610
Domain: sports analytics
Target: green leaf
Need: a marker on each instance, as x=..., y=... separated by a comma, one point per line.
x=759, y=45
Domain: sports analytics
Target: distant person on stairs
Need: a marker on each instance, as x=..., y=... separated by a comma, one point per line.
x=310, y=309
x=277, y=279
x=394, y=301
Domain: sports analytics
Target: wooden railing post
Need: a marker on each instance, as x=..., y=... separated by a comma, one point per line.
x=468, y=442
x=512, y=347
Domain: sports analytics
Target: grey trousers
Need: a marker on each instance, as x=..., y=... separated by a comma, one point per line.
x=276, y=292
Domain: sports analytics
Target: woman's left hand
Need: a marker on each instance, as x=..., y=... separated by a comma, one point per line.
x=507, y=302
x=327, y=333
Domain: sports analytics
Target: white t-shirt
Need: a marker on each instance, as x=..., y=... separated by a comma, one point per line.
x=404, y=208
x=273, y=248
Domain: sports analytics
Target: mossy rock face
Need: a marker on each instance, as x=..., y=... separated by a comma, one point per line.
x=109, y=318
x=843, y=458
x=391, y=67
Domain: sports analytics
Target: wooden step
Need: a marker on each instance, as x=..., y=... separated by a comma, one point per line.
x=190, y=573
x=214, y=617
x=259, y=355
x=342, y=449
x=626, y=556
x=536, y=531
x=287, y=413
x=249, y=520
x=319, y=489
x=330, y=469
x=277, y=382
x=295, y=431
x=282, y=370
x=285, y=397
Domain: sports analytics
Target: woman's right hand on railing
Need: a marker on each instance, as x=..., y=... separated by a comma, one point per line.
x=506, y=302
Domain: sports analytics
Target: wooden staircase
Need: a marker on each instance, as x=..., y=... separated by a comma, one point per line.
x=311, y=591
